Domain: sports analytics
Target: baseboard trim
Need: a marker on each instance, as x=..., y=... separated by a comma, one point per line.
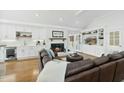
x=26, y=58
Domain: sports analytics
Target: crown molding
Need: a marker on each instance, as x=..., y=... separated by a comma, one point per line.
x=37, y=24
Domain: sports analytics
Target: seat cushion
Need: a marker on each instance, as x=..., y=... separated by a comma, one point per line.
x=107, y=72
x=90, y=75
x=113, y=57
x=122, y=53
x=77, y=67
x=43, y=53
x=119, y=74
x=101, y=60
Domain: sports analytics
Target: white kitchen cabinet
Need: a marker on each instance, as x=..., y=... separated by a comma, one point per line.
x=20, y=28
x=28, y=29
x=1, y=32
x=8, y=32
x=43, y=34
x=35, y=34
x=20, y=52
x=25, y=52
x=11, y=32
x=39, y=34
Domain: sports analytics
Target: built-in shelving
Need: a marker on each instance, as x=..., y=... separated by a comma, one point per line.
x=93, y=37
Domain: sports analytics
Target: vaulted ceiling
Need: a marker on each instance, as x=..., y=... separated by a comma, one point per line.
x=66, y=18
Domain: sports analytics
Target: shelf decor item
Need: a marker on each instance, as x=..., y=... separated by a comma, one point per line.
x=57, y=34
x=44, y=42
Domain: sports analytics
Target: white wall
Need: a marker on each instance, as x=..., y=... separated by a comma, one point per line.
x=8, y=34
x=8, y=37
x=111, y=22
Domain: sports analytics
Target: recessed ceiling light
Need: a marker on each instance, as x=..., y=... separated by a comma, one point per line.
x=77, y=22
x=61, y=19
x=37, y=15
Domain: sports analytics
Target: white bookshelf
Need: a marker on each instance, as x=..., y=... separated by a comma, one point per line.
x=98, y=34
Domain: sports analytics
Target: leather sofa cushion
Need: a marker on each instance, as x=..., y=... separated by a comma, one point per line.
x=101, y=60
x=91, y=75
x=122, y=53
x=119, y=74
x=79, y=66
x=46, y=59
x=107, y=72
x=114, y=56
x=43, y=53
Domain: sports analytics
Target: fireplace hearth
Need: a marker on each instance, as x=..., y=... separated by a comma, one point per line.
x=58, y=47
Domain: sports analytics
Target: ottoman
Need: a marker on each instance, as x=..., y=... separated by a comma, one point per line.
x=74, y=57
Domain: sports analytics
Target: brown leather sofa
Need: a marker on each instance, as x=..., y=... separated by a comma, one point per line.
x=108, y=68
x=81, y=71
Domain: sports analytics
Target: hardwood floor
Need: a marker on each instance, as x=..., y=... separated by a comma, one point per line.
x=20, y=71
x=24, y=70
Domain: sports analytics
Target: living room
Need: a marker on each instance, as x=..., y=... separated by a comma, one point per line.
x=72, y=35
x=61, y=46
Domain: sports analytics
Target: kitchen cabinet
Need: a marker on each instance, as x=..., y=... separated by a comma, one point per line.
x=1, y=32
x=25, y=52
x=39, y=34
x=19, y=28
x=35, y=34
x=8, y=32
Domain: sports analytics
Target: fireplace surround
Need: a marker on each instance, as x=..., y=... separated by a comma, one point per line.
x=58, y=47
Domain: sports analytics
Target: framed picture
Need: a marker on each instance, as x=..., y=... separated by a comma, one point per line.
x=57, y=34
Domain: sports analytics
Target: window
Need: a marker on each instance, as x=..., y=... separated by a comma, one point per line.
x=114, y=38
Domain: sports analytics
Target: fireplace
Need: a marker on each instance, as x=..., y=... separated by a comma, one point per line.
x=58, y=47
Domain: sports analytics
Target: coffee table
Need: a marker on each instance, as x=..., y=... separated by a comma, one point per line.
x=73, y=57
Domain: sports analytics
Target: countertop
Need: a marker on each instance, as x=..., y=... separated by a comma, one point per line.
x=2, y=45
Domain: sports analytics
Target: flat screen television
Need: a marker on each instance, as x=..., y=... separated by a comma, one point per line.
x=91, y=40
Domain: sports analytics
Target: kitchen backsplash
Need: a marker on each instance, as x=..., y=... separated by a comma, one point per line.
x=20, y=42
